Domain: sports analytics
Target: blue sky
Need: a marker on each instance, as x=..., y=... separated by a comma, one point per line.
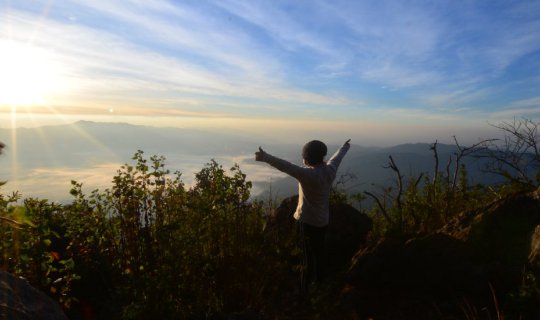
x=376, y=71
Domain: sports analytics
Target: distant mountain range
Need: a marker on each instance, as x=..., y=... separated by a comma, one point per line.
x=366, y=168
x=44, y=159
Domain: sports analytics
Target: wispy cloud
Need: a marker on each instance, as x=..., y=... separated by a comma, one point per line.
x=394, y=43
x=520, y=108
x=246, y=59
x=399, y=77
x=512, y=36
x=282, y=25
x=104, y=68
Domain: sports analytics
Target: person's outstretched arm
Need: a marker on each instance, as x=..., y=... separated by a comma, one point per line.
x=280, y=164
x=335, y=160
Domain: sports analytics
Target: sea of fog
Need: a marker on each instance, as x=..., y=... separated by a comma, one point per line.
x=53, y=181
x=41, y=162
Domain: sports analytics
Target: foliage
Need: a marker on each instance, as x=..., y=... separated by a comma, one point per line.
x=516, y=157
x=524, y=301
x=149, y=246
x=32, y=250
x=424, y=203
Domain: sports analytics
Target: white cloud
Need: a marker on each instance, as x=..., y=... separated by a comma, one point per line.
x=400, y=77
x=103, y=67
x=282, y=26
x=531, y=102
x=228, y=57
x=519, y=108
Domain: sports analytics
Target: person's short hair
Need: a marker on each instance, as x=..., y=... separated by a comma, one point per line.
x=314, y=152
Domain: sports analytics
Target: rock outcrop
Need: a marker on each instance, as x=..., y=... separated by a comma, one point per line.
x=413, y=279
x=468, y=267
x=20, y=301
x=502, y=236
x=534, y=255
x=347, y=230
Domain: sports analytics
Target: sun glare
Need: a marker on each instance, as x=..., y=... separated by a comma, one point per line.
x=28, y=75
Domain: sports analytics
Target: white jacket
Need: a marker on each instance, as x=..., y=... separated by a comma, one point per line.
x=314, y=186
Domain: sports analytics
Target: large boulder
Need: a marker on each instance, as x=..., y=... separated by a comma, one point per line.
x=534, y=255
x=412, y=279
x=347, y=229
x=502, y=236
x=436, y=264
x=469, y=266
x=20, y=301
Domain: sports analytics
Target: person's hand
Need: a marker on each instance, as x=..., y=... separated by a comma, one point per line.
x=347, y=144
x=259, y=155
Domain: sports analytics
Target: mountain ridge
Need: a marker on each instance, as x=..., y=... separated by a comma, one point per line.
x=85, y=145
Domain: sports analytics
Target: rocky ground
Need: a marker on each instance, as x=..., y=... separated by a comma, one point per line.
x=475, y=267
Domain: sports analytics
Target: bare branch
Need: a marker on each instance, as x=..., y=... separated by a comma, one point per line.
x=380, y=205
x=418, y=180
x=464, y=152
x=436, y=155
x=448, y=164
x=392, y=165
x=12, y=222
x=517, y=158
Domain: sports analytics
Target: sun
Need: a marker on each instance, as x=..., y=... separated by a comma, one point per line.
x=28, y=75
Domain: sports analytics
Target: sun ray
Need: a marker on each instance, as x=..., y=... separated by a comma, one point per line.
x=13, y=148
x=83, y=133
x=97, y=143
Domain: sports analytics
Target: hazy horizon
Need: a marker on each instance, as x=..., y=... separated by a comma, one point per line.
x=41, y=161
x=384, y=136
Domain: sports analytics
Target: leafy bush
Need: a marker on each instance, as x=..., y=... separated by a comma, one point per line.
x=423, y=204
x=150, y=247
x=33, y=249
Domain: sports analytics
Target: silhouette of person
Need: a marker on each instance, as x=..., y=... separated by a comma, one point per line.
x=312, y=212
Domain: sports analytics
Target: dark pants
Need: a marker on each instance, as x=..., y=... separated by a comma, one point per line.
x=313, y=254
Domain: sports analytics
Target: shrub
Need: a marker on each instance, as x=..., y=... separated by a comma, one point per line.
x=150, y=247
x=34, y=248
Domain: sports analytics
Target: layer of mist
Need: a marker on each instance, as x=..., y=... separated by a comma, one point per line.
x=41, y=162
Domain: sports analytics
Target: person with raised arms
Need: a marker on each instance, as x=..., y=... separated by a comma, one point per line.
x=315, y=180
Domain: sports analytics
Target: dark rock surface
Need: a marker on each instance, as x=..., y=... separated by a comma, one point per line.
x=19, y=300
x=467, y=267
x=501, y=235
x=347, y=230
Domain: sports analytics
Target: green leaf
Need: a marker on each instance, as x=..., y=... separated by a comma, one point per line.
x=69, y=263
